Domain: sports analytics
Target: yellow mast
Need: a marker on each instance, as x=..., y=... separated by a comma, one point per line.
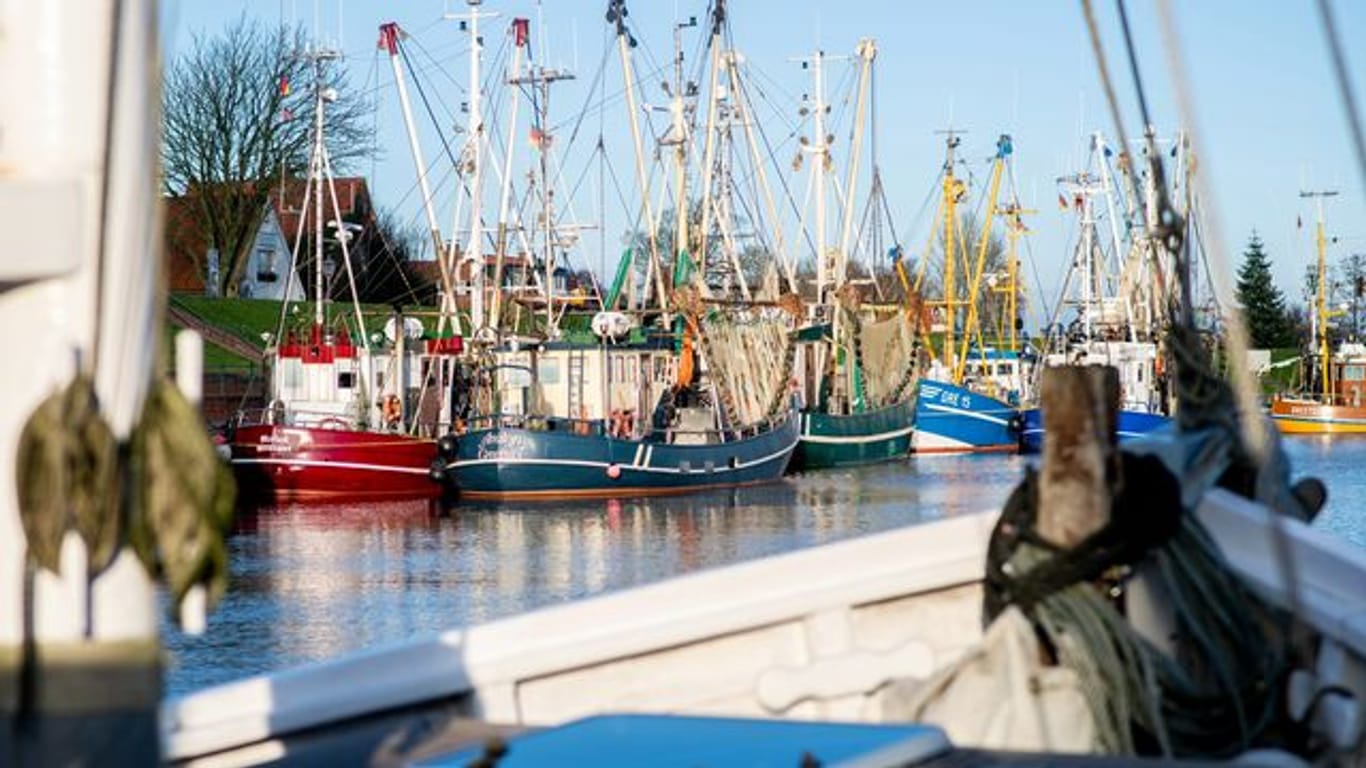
x=953, y=189
x=1325, y=355
x=983, y=240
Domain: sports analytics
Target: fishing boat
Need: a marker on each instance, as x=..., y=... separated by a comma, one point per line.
x=855, y=361
x=1338, y=407
x=670, y=394
x=343, y=420
x=968, y=400
x=1116, y=309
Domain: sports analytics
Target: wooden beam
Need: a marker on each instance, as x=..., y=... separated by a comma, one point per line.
x=1080, y=461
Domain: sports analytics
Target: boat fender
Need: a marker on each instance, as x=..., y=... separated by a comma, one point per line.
x=613, y=471
x=437, y=471
x=393, y=410
x=446, y=446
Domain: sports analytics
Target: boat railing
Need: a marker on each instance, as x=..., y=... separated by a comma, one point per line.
x=276, y=414
x=621, y=430
x=1354, y=400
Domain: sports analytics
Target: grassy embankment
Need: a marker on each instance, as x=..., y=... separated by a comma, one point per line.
x=248, y=319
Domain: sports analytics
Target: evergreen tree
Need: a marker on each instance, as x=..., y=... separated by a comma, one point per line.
x=1263, y=305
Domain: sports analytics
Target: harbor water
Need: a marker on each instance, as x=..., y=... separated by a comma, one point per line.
x=310, y=582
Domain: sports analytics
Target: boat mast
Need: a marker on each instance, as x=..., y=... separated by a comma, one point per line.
x=743, y=114
x=678, y=136
x=821, y=149
x=866, y=51
x=709, y=145
x=1321, y=241
x=389, y=36
x=1004, y=148
x=474, y=247
x=952, y=190
x=521, y=33
x=315, y=177
x=616, y=14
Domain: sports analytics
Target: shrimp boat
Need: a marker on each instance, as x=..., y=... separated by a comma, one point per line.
x=1339, y=405
x=697, y=398
x=855, y=362
x=968, y=400
x=1116, y=304
x=342, y=421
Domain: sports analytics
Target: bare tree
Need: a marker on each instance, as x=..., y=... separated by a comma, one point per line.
x=237, y=119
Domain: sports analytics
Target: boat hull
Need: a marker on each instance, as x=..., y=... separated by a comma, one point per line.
x=1130, y=424
x=1306, y=417
x=283, y=463
x=517, y=463
x=952, y=419
x=829, y=440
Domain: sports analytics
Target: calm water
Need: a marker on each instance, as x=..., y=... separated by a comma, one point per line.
x=311, y=582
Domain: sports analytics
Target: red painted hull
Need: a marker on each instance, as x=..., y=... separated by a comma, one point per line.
x=309, y=463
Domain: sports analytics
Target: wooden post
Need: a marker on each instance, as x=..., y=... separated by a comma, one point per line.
x=1080, y=463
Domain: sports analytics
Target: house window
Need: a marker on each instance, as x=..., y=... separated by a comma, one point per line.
x=265, y=266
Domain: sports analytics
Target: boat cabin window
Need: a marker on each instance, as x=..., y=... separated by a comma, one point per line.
x=346, y=380
x=1354, y=372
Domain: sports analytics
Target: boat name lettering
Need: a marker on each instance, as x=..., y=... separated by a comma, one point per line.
x=498, y=445
x=955, y=398
x=281, y=442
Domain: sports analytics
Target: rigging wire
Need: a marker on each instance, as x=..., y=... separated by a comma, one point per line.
x=1344, y=82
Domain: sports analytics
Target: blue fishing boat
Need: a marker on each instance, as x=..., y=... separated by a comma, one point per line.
x=1131, y=424
x=955, y=419
x=968, y=400
x=515, y=457
x=1117, y=312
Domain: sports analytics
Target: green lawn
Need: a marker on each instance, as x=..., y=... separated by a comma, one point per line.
x=249, y=318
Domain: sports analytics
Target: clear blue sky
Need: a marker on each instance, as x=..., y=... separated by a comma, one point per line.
x=1269, y=115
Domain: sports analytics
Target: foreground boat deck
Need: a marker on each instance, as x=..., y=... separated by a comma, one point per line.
x=439, y=736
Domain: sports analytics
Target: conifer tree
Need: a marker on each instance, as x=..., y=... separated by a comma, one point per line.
x=1263, y=305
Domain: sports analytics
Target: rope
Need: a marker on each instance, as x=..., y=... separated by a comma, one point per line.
x=1221, y=696
x=165, y=492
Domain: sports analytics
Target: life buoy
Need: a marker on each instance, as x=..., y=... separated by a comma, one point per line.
x=393, y=410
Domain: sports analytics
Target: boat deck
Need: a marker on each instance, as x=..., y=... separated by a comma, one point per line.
x=441, y=735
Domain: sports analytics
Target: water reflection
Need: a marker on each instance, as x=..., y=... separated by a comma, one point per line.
x=313, y=581
x=1337, y=461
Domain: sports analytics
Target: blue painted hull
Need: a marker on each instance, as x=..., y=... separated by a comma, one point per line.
x=1131, y=424
x=518, y=463
x=953, y=419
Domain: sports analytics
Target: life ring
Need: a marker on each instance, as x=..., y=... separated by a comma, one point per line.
x=392, y=410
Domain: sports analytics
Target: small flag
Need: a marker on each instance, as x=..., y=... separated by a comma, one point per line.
x=284, y=85
x=521, y=31
x=1062, y=202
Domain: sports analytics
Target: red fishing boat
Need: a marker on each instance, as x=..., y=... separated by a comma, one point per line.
x=350, y=415
x=319, y=448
